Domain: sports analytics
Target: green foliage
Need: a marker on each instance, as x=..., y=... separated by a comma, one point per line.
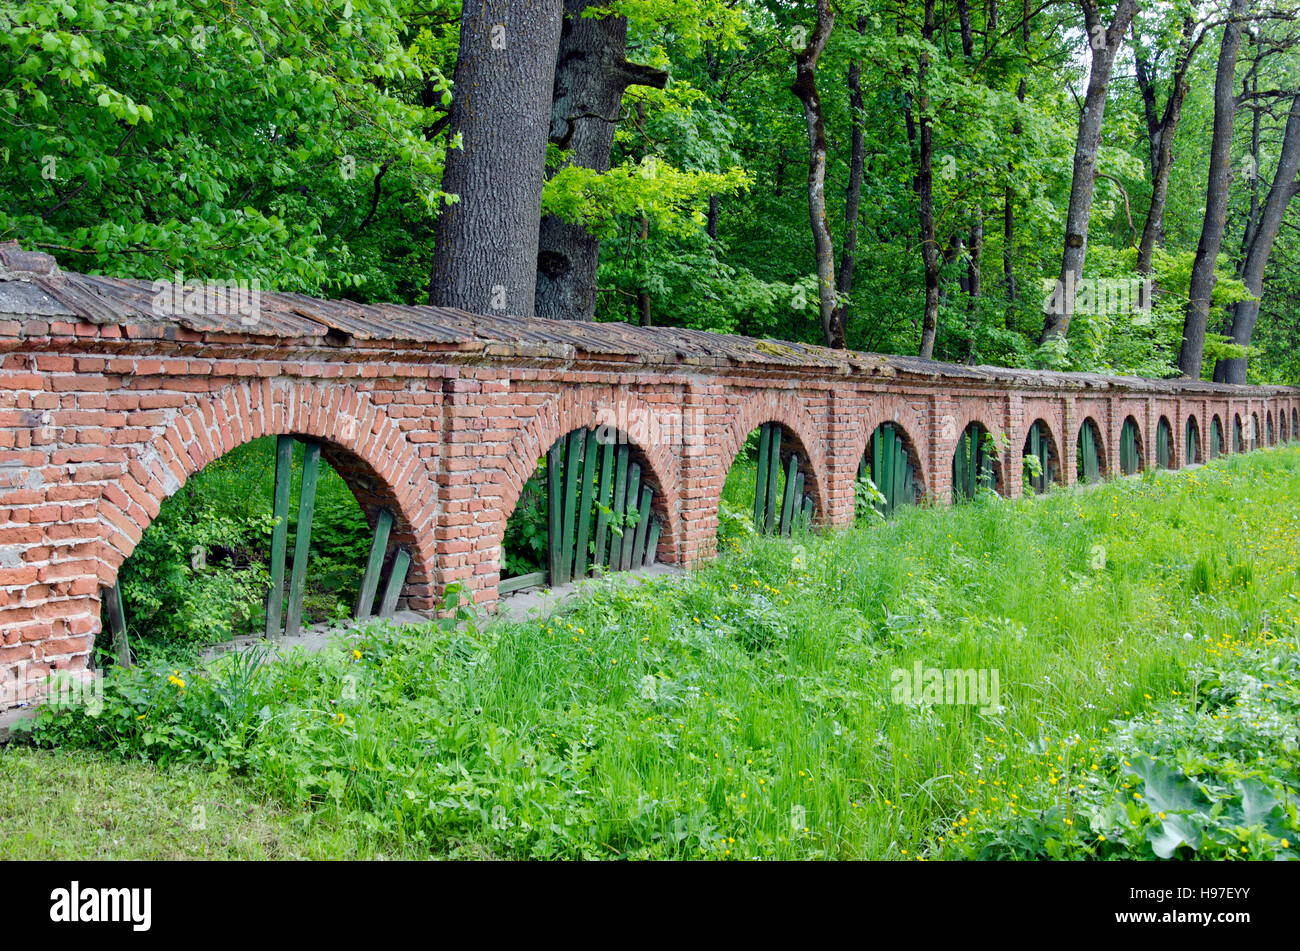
x=748, y=713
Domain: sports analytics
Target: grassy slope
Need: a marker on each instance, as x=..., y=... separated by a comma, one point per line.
x=747, y=710
x=76, y=805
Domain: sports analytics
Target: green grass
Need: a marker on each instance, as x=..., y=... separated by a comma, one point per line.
x=83, y=805
x=746, y=711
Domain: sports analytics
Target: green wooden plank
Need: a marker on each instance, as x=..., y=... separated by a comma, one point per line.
x=900, y=475
x=396, y=581
x=603, y=499
x=630, y=503
x=117, y=625
x=279, y=534
x=787, y=496
x=370, y=580
x=877, y=441
x=589, y=457
x=652, y=543
x=798, y=495
x=887, y=470
x=642, y=527
x=572, y=470
x=909, y=484
x=760, y=482
x=554, y=510
x=976, y=473
x=619, y=508
x=773, y=475
x=808, y=510
x=518, y=582
x=302, y=537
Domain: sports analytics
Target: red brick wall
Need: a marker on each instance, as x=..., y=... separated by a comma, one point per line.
x=101, y=425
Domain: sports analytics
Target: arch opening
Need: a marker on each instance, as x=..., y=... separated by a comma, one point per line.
x=593, y=504
x=891, y=465
x=1090, y=455
x=1268, y=429
x=274, y=535
x=1238, y=437
x=1191, y=442
x=1216, y=437
x=1256, y=434
x=1164, y=444
x=770, y=487
x=976, y=464
x=1131, y=456
x=1042, y=461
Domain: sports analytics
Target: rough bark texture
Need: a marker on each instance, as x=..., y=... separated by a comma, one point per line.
x=925, y=191
x=853, y=193
x=1105, y=45
x=1009, y=196
x=1161, y=133
x=485, y=258
x=1280, y=193
x=591, y=74
x=1216, y=198
x=805, y=87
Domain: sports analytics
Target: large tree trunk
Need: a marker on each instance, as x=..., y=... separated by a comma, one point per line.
x=925, y=193
x=1161, y=135
x=591, y=75
x=1009, y=193
x=1280, y=193
x=805, y=87
x=1106, y=43
x=485, y=258
x=1201, y=288
x=853, y=193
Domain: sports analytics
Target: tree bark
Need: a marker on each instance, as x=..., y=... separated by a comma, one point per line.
x=1009, y=194
x=805, y=87
x=925, y=192
x=485, y=256
x=853, y=193
x=1105, y=43
x=1162, y=144
x=1201, y=288
x=1280, y=193
x=591, y=75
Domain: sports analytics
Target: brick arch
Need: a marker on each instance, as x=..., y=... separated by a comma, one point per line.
x=590, y=406
x=365, y=446
x=913, y=427
x=1192, y=421
x=952, y=426
x=1053, y=442
x=1099, y=437
x=785, y=408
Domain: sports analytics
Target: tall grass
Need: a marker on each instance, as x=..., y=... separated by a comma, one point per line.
x=746, y=710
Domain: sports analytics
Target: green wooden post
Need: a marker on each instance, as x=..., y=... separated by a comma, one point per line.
x=584, y=506
x=975, y=472
x=279, y=534
x=760, y=482
x=773, y=474
x=396, y=581
x=117, y=624
x=877, y=449
x=619, y=507
x=788, y=498
x=629, y=505
x=900, y=474
x=554, y=511
x=572, y=470
x=370, y=580
x=302, y=536
x=798, y=495
x=652, y=543
x=642, y=526
x=887, y=470
x=604, y=498
x=808, y=510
